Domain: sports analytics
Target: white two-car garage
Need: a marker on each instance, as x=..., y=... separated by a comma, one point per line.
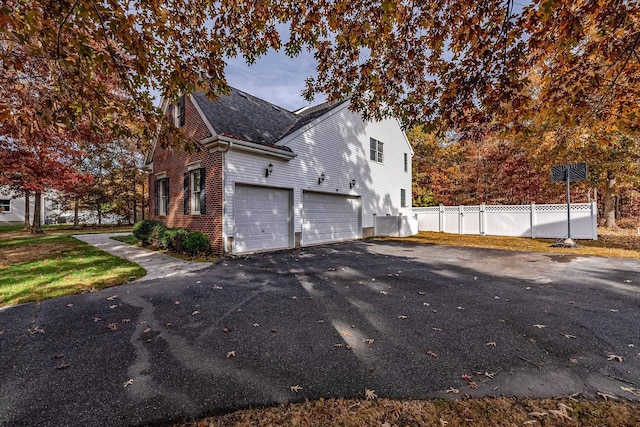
x=330, y=218
x=262, y=218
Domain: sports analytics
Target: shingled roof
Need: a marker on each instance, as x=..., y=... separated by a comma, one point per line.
x=243, y=116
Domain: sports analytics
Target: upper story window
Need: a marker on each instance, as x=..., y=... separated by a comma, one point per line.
x=376, y=150
x=5, y=205
x=176, y=112
x=406, y=162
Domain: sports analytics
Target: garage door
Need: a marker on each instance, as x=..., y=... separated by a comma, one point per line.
x=262, y=218
x=329, y=218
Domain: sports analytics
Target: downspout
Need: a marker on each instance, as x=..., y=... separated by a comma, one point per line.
x=224, y=197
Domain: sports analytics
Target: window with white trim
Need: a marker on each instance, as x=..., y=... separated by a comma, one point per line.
x=162, y=187
x=403, y=198
x=376, y=150
x=196, y=189
x=406, y=162
x=5, y=205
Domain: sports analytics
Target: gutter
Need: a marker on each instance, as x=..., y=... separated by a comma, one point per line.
x=226, y=143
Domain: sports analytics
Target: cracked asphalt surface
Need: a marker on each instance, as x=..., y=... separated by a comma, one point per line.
x=404, y=320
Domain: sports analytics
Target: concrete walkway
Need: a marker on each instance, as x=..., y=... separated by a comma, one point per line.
x=157, y=265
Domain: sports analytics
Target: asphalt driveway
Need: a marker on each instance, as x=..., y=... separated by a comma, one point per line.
x=406, y=321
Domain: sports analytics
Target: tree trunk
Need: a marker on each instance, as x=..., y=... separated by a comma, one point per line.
x=36, y=228
x=27, y=213
x=609, y=213
x=76, y=220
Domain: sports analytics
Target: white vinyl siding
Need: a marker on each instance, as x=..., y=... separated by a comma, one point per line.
x=338, y=146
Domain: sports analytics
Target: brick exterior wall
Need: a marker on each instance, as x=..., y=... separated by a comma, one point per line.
x=175, y=163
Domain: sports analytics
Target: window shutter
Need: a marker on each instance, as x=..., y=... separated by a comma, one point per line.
x=166, y=196
x=182, y=115
x=186, y=193
x=156, y=198
x=203, y=180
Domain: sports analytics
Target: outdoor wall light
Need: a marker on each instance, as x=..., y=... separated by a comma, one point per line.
x=269, y=170
x=352, y=183
x=321, y=179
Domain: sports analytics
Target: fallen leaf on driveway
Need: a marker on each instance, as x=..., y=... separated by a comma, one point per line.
x=128, y=383
x=255, y=325
x=614, y=357
x=296, y=388
x=631, y=390
x=491, y=344
x=69, y=305
x=370, y=394
x=489, y=374
x=147, y=330
x=402, y=317
x=473, y=384
x=432, y=354
x=426, y=304
x=460, y=308
x=125, y=321
x=452, y=390
x=465, y=377
x=58, y=356
x=422, y=293
x=112, y=326
x=36, y=330
x=613, y=310
x=437, y=329
x=347, y=334
x=195, y=312
x=226, y=330
x=568, y=336
x=539, y=326
x=384, y=292
x=112, y=298
x=1, y=332
x=338, y=345
x=113, y=306
x=368, y=341
x=216, y=287
x=96, y=319
x=231, y=354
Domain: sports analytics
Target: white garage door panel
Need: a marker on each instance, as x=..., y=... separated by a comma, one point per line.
x=262, y=218
x=329, y=218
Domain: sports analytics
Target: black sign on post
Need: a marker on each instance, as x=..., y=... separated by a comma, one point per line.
x=568, y=173
x=577, y=172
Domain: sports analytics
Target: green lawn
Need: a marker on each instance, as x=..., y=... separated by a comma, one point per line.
x=37, y=267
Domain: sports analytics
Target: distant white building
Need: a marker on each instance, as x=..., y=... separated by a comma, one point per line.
x=12, y=208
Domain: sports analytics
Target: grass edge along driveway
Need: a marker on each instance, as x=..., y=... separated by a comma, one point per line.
x=38, y=267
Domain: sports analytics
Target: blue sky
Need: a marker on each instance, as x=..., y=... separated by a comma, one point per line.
x=274, y=77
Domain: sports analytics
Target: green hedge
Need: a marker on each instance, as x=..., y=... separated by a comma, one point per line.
x=197, y=243
x=142, y=230
x=178, y=240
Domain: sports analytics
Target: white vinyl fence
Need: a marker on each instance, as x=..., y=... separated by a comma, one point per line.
x=545, y=221
x=396, y=225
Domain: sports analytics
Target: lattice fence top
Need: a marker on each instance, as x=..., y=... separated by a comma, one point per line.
x=428, y=209
x=578, y=207
x=508, y=208
x=556, y=208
